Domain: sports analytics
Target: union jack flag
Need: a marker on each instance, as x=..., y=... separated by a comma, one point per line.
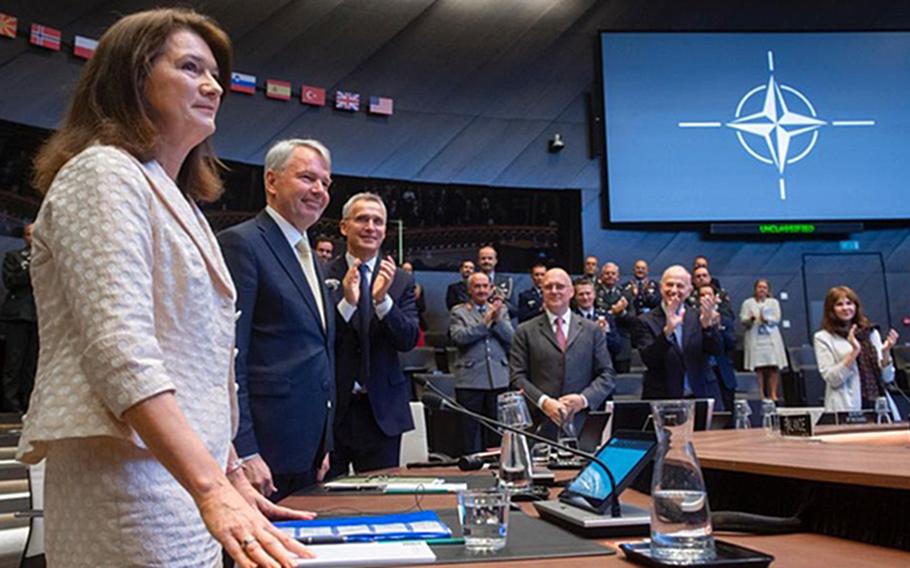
x=346, y=100
x=45, y=36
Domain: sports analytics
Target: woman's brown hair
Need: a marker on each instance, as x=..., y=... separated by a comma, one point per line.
x=830, y=322
x=108, y=105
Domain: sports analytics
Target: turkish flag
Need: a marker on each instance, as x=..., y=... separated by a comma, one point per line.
x=312, y=95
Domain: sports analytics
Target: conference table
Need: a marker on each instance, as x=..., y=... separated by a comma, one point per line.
x=868, y=460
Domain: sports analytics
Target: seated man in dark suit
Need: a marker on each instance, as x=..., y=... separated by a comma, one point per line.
x=585, y=307
x=560, y=360
x=530, y=302
x=376, y=318
x=676, y=344
x=457, y=292
x=482, y=332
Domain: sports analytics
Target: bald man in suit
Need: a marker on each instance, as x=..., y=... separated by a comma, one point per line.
x=560, y=360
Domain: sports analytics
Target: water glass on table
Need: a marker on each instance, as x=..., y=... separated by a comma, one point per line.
x=484, y=517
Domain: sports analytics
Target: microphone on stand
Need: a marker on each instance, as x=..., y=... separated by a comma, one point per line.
x=435, y=401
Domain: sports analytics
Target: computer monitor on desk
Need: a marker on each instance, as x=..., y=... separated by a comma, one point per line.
x=636, y=415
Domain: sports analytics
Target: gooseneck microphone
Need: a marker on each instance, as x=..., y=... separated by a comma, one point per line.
x=435, y=401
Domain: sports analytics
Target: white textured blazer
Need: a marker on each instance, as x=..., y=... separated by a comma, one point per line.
x=843, y=391
x=134, y=299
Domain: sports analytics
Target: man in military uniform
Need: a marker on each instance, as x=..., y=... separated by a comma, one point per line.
x=617, y=300
x=20, y=322
x=502, y=284
x=701, y=277
x=645, y=292
x=530, y=302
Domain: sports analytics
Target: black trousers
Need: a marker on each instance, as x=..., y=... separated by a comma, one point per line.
x=476, y=438
x=21, y=360
x=359, y=441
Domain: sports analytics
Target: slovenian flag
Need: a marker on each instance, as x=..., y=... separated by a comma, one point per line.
x=243, y=83
x=84, y=47
x=381, y=105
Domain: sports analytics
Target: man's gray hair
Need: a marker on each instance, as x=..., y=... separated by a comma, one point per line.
x=363, y=196
x=278, y=155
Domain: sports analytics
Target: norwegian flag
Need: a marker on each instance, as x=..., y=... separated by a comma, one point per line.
x=44, y=36
x=8, y=25
x=346, y=100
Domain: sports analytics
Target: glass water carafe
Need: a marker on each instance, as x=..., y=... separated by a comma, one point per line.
x=680, y=516
x=515, y=459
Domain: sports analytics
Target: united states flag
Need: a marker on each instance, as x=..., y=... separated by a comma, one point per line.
x=346, y=100
x=45, y=36
x=381, y=105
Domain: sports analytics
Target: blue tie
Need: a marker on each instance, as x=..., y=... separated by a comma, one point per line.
x=364, y=315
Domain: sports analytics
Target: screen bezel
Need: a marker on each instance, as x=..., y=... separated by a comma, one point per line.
x=600, y=505
x=598, y=103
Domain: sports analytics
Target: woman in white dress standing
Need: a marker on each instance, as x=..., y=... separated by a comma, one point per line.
x=134, y=405
x=764, y=346
x=852, y=359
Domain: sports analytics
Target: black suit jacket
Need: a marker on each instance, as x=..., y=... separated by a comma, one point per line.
x=530, y=303
x=388, y=388
x=19, y=304
x=456, y=293
x=285, y=362
x=667, y=363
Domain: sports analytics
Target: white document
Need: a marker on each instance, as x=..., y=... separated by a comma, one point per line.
x=370, y=554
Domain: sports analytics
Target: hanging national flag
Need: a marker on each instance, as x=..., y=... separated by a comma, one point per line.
x=346, y=100
x=280, y=90
x=84, y=47
x=243, y=83
x=8, y=25
x=381, y=105
x=312, y=95
x=45, y=36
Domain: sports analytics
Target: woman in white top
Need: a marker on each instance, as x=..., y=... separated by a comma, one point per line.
x=134, y=405
x=764, y=346
x=852, y=359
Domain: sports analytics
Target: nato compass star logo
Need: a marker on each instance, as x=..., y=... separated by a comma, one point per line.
x=771, y=124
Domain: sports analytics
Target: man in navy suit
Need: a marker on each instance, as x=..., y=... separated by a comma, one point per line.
x=285, y=364
x=676, y=344
x=376, y=317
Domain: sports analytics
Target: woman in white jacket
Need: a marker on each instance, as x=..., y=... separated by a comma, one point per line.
x=852, y=359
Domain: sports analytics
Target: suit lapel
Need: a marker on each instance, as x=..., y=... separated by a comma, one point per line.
x=194, y=224
x=547, y=331
x=575, y=326
x=289, y=261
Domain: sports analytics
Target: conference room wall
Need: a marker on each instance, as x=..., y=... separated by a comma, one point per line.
x=479, y=88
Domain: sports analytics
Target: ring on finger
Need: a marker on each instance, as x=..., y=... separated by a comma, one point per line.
x=247, y=541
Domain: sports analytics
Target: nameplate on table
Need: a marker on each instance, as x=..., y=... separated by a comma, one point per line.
x=799, y=425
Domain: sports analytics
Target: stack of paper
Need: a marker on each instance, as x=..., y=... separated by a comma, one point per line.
x=370, y=554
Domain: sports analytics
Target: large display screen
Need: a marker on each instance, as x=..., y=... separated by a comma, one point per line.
x=708, y=127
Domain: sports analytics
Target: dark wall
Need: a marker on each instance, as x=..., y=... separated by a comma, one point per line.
x=479, y=88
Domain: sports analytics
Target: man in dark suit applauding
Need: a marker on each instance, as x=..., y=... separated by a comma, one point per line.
x=559, y=359
x=285, y=364
x=676, y=344
x=377, y=318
